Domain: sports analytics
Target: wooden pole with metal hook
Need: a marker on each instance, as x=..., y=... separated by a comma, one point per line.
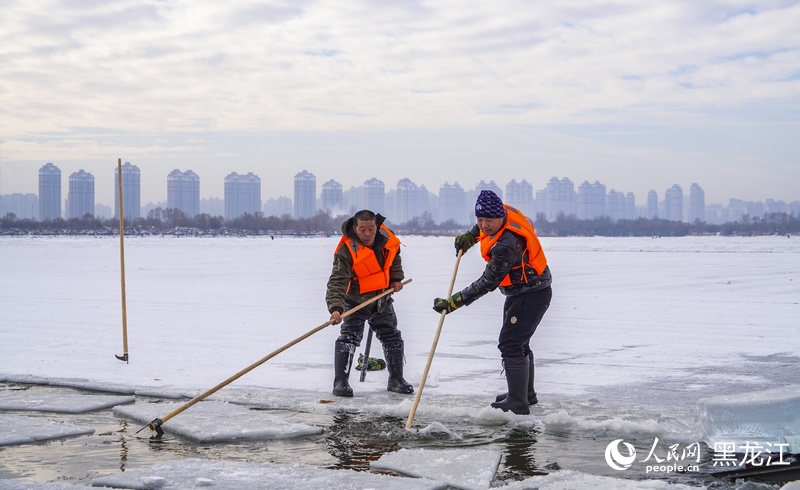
x=433, y=348
x=365, y=361
x=124, y=356
x=157, y=423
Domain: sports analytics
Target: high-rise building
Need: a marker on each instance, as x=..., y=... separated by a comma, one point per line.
x=212, y=206
x=716, y=214
x=737, y=208
x=755, y=209
x=774, y=206
x=540, y=202
x=615, y=205
x=630, y=206
x=560, y=198
x=22, y=206
x=305, y=195
x=591, y=200
x=697, y=204
x=183, y=192
x=242, y=195
x=102, y=211
x=374, y=195
x=278, y=206
x=652, y=205
x=453, y=204
x=131, y=192
x=49, y=192
x=410, y=201
x=673, y=203
x=80, y=199
x=491, y=186
x=353, y=199
x=520, y=195
x=331, y=199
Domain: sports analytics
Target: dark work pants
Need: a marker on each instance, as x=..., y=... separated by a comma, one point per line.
x=383, y=323
x=521, y=316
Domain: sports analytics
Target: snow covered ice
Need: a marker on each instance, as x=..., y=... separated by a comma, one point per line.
x=65, y=403
x=16, y=429
x=461, y=469
x=639, y=333
x=218, y=421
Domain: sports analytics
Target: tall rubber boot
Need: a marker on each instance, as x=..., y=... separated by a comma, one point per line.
x=532, y=400
x=342, y=360
x=517, y=372
x=393, y=351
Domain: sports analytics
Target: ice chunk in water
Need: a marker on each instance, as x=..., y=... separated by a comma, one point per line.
x=211, y=421
x=192, y=473
x=458, y=468
x=59, y=402
x=18, y=429
x=769, y=418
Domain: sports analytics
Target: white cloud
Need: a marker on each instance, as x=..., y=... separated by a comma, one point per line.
x=71, y=73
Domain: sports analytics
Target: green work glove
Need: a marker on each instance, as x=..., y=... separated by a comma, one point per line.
x=449, y=305
x=464, y=242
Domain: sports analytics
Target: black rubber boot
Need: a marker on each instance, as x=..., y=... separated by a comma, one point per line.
x=532, y=400
x=517, y=371
x=393, y=351
x=342, y=360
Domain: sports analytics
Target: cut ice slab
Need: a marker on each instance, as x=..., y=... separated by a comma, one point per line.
x=467, y=469
x=769, y=418
x=19, y=429
x=192, y=473
x=29, y=485
x=212, y=421
x=58, y=402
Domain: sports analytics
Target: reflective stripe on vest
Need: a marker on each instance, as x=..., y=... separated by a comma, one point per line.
x=521, y=225
x=366, y=266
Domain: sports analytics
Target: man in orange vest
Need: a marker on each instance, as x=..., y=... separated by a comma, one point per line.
x=366, y=262
x=515, y=263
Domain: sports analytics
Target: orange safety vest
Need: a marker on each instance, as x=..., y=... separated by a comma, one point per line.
x=365, y=265
x=517, y=223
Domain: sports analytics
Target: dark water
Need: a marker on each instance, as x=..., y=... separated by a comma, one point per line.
x=350, y=440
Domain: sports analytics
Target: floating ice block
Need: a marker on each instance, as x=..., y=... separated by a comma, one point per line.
x=770, y=418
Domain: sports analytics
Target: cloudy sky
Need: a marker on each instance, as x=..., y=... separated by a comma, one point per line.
x=636, y=95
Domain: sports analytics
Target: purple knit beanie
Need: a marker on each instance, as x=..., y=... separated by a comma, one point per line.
x=489, y=205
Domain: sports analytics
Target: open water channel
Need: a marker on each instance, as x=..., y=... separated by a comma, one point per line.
x=350, y=440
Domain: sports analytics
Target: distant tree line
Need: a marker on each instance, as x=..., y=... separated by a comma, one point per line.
x=176, y=222
x=769, y=224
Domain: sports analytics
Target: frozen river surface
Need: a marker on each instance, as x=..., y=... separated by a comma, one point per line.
x=640, y=330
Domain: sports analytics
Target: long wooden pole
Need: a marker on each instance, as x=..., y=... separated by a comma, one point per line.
x=156, y=424
x=433, y=348
x=124, y=356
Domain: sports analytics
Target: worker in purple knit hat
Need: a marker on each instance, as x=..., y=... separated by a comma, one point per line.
x=515, y=262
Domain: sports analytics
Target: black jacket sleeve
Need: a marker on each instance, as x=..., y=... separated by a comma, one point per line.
x=502, y=258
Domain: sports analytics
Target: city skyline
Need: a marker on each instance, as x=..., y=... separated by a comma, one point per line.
x=640, y=96
x=403, y=202
x=163, y=181
x=154, y=187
